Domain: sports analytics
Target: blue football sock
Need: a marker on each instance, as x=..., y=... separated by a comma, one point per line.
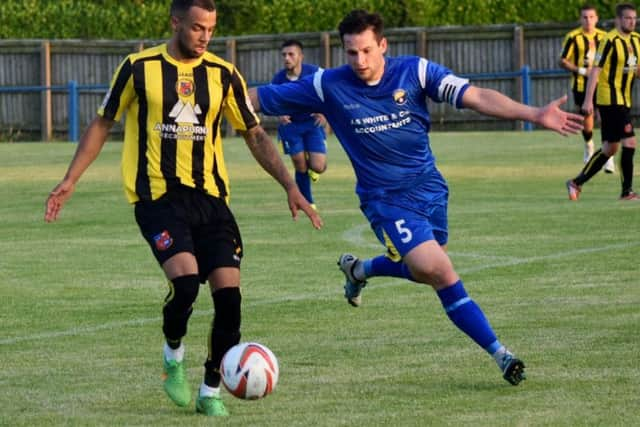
x=383, y=266
x=468, y=316
x=304, y=184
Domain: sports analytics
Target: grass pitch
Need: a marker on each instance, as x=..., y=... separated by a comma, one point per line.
x=80, y=341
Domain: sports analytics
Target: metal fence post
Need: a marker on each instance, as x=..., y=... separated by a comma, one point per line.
x=73, y=111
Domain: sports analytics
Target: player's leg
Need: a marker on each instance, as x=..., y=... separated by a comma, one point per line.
x=407, y=219
x=626, y=168
x=357, y=271
x=430, y=264
x=587, y=135
x=169, y=238
x=303, y=180
x=315, y=145
x=184, y=284
x=317, y=164
x=293, y=145
x=219, y=251
x=587, y=131
x=420, y=241
x=612, y=131
x=225, y=333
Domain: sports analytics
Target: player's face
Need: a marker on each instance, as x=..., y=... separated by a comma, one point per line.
x=589, y=19
x=193, y=32
x=627, y=22
x=291, y=57
x=365, y=55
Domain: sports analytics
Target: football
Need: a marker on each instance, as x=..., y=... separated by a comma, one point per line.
x=249, y=371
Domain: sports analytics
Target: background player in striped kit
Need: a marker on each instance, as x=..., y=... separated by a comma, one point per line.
x=578, y=51
x=615, y=69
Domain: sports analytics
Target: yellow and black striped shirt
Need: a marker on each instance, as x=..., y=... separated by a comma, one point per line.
x=580, y=49
x=173, y=121
x=617, y=56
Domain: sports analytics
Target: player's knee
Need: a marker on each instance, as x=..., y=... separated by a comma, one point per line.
x=183, y=293
x=179, y=306
x=433, y=274
x=318, y=167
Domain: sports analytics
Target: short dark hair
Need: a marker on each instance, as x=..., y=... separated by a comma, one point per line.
x=291, y=42
x=620, y=8
x=181, y=7
x=358, y=21
x=587, y=6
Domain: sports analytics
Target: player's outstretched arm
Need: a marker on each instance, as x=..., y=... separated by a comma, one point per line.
x=88, y=149
x=253, y=97
x=551, y=116
x=264, y=151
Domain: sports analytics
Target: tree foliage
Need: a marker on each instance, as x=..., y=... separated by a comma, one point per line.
x=148, y=19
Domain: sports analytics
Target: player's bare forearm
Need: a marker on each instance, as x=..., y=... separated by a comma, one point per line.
x=88, y=149
x=253, y=97
x=263, y=150
x=592, y=82
x=495, y=104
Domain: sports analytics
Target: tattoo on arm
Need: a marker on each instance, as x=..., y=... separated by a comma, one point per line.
x=263, y=150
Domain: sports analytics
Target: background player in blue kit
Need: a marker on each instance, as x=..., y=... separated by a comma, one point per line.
x=302, y=134
x=376, y=105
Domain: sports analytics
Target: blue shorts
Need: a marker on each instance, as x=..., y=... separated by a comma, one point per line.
x=299, y=137
x=403, y=221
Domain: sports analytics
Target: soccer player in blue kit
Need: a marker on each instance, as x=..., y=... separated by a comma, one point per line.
x=302, y=134
x=376, y=105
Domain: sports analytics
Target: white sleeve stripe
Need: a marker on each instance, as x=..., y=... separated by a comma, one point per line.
x=317, y=83
x=450, y=87
x=422, y=72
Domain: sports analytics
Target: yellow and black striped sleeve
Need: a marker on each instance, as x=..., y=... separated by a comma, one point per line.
x=120, y=92
x=569, y=48
x=237, y=107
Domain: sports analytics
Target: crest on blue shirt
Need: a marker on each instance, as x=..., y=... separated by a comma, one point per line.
x=400, y=96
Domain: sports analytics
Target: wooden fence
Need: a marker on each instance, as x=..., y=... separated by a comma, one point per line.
x=42, y=68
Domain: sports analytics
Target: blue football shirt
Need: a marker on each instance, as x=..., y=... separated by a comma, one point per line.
x=383, y=128
x=281, y=77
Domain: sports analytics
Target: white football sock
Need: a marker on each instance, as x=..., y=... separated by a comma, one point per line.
x=500, y=354
x=207, y=391
x=174, y=354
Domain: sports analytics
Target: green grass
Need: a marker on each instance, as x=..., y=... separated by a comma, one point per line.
x=80, y=340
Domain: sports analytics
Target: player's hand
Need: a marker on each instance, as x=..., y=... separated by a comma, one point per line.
x=57, y=198
x=298, y=202
x=320, y=120
x=285, y=120
x=587, y=107
x=553, y=117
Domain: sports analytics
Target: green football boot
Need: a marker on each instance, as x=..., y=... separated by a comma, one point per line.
x=175, y=382
x=211, y=406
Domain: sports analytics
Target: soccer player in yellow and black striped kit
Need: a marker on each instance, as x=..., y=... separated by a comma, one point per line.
x=578, y=51
x=174, y=96
x=615, y=69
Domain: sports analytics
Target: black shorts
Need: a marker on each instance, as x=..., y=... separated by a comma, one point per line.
x=189, y=220
x=615, y=123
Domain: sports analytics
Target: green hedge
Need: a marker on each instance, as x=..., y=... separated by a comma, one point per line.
x=148, y=19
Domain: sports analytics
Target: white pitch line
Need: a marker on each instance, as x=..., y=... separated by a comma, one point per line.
x=301, y=297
